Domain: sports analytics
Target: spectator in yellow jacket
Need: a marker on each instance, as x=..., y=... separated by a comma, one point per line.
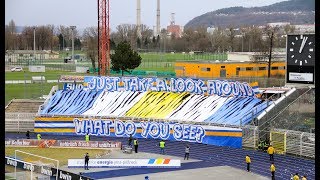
x=273, y=170
x=296, y=177
x=271, y=152
x=248, y=161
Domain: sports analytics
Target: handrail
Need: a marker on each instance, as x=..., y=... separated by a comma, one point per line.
x=275, y=103
x=8, y=104
x=271, y=120
x=53, y=89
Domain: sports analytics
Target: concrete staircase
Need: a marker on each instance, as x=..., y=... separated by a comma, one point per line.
x=23, y=106
x=20, y=113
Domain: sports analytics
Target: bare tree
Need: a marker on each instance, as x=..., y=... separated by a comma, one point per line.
x=10, y=35
x=218, y=40
x=90, y=36
x=28, y=36
x=43, y=37
x=289, y=29
x=21, y=42
x=231, y=36
x=270, y=32
x=126, y=32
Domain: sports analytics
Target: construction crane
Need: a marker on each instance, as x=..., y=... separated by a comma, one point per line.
x=103, y=38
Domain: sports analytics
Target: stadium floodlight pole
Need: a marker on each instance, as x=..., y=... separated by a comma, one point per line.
x=72, y=28
x=34, y=43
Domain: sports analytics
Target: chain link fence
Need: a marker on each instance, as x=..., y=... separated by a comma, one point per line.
x=250, y=136
x=294, y=142
x=284, y=116
x=28, y=89
x=285, y=141
x=298, y=115
x=155, y=60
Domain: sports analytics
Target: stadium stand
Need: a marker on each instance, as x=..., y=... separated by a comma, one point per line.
x=158, y=105
x=20, y=115
x=23, y=106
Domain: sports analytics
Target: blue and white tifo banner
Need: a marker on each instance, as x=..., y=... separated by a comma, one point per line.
x=72, y=86
x=220, y=136
x=197, y=86
x=134, y=163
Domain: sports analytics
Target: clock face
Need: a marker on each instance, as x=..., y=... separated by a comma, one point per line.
x=301, y=50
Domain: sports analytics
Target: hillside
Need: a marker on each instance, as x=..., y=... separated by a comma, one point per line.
x=293, y=11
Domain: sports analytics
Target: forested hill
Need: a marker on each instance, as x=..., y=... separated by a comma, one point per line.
x=293, y=11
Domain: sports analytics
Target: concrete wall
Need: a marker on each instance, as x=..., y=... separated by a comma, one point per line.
x=37, y=68
x=81, y=69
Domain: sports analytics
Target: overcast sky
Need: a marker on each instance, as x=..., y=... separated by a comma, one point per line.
x=83, y=13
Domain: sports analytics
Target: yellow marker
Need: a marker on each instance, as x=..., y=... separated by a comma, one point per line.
x=159, y=161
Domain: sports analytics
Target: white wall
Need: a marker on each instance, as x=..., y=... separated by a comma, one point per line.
x=37, y=68
x=81, y=69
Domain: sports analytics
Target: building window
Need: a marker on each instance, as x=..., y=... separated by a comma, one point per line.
x=274, y=68
x=262, y=68
x=223, y=66
x=249, y=68
x=179, y=67
x=205, y=69
x=237, y=69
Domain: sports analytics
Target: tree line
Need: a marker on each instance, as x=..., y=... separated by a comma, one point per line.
x=245, y=38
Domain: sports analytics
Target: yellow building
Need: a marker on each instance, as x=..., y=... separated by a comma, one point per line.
x=212, y=69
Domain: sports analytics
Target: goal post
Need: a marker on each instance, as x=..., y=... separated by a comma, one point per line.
x=39, y=166
x=278, y=141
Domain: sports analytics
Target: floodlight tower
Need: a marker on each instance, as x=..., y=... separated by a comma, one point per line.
x=103, y=37
x=138, y=19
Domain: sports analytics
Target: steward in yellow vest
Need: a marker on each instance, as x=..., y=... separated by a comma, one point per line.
x=273, y=170
x=162, y=145
x=87, y=137
x=248, y=161
x=39, y=136
x=135, y=143
x=271, y=152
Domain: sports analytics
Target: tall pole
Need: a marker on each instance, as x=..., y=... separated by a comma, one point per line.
x=99, y=61
x=158, y=17
x=138, y=19
x=34, y=43
x=242, y=43
x=270, y=53
x=72, y=28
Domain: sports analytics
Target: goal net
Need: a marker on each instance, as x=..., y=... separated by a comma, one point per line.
x=32, y=166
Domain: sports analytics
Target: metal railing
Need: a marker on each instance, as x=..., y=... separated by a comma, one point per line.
x=250, y=136
x=298, y=143
x=299, y=115
x=19, y=122
x=20, y=115
x=274, y=109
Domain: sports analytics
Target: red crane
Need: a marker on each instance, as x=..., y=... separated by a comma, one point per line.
x=103, y=38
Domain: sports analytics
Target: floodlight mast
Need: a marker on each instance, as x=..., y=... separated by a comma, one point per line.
x=103, y=37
